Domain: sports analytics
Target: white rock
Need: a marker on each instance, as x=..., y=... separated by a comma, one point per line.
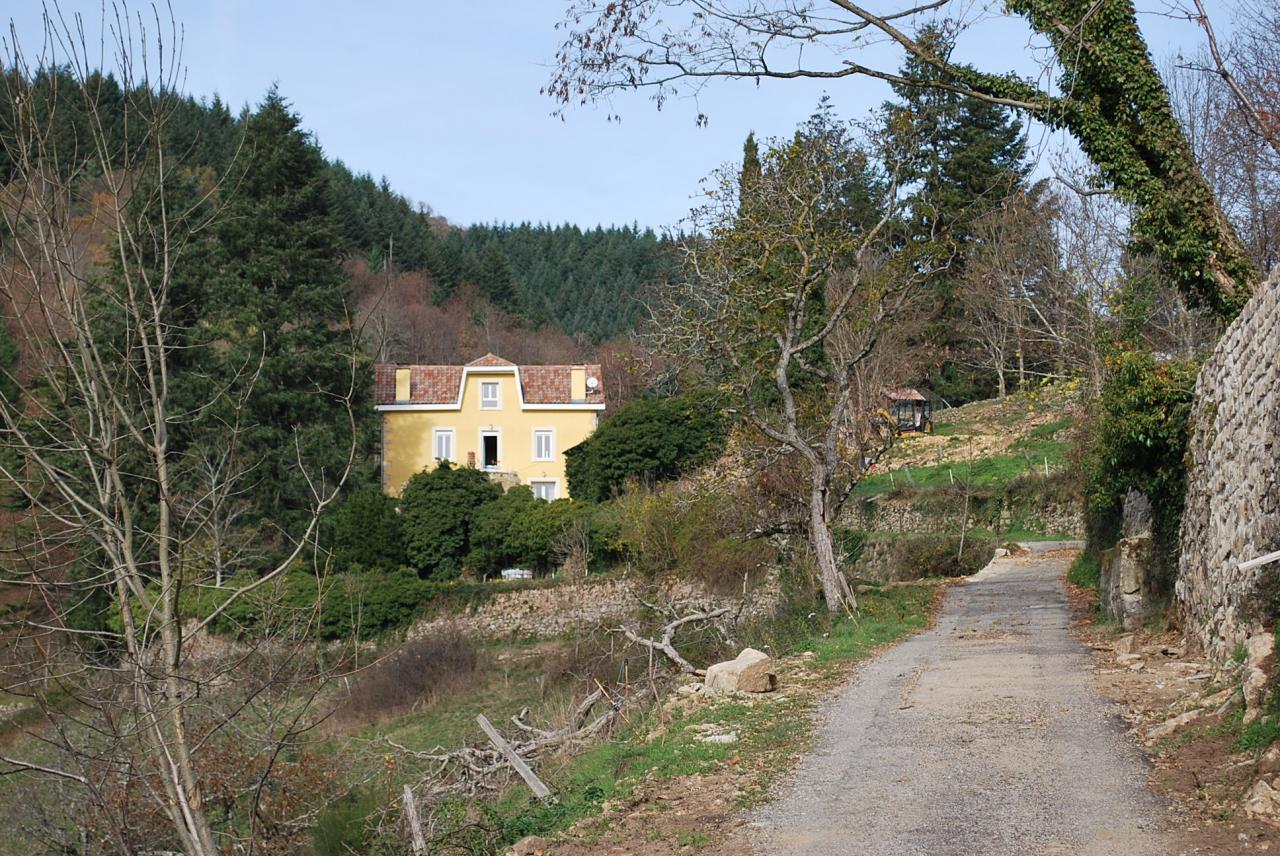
x=1171, y=725
x=750, y=672
x=1262, y=801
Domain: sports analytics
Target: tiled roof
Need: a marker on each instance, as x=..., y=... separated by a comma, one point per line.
x=490, y=360
x=903, y=393
x=441, y=384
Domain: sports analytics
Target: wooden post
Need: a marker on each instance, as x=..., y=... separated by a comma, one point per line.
x=535, y=784
x=417, y=841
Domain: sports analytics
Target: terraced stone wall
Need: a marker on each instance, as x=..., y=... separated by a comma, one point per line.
x=1232, y=511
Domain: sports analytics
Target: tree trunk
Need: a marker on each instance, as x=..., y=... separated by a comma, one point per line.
x=835, y=588
x=1001, y=390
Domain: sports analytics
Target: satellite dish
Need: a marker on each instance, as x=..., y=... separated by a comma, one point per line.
x=592, y=383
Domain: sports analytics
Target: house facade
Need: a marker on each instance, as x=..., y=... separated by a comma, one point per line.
x=514, y=422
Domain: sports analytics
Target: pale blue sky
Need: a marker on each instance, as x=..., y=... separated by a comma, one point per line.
x=442, y=98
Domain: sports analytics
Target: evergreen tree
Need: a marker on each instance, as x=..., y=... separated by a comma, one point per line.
x=439, y=508
x=971, y=157
x=270, y=304
x=750, y=163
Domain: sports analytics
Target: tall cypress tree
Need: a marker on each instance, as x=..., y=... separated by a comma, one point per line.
x=750, y=163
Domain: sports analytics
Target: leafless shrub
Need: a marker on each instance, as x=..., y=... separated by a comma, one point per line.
x=417, y=675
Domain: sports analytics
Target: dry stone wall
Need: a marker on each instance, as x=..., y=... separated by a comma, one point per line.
x=1232, y=511
x=571, y=607
x=899, y=514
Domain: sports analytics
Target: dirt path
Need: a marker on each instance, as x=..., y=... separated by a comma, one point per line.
x=982, y=735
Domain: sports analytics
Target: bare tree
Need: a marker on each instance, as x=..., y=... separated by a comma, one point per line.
x=789, y=285
x=1010, y=263
x=1110, y=96
x=119, y=514
x=1239, y=163
x=1248, y=68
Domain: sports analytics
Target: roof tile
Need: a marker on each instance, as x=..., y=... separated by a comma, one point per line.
x=442, y=384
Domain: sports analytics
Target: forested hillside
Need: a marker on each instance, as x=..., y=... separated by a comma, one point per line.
x=583, y=281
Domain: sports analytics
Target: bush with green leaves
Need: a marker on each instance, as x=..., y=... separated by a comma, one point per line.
x=366, y=531
x=1139, y=439
x=342, y=606
x=648, y=440
x=692, y=535
x=438, y=507
x=518, y=530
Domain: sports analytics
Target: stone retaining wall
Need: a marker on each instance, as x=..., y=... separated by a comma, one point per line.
x=905, y=514
x=1232, y=510
x=562, y=609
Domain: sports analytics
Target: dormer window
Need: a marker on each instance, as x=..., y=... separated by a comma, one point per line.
x=489, y=395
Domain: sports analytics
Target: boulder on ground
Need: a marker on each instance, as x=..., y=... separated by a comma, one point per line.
x=1259, y=649
x=530, y=846
x=1263, y=801
x=750, y=672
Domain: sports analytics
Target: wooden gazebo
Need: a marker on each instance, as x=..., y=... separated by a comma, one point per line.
x=910, y=410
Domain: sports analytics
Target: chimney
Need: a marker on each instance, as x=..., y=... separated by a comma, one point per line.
x=578, y=383
x=402, y=384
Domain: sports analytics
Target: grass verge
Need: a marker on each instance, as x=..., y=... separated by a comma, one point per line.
x=663, y=743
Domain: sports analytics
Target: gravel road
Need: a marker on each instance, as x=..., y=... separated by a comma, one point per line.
x=984, y=735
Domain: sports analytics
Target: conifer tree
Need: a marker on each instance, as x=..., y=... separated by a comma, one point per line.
x=270, y=298
x=970, y=157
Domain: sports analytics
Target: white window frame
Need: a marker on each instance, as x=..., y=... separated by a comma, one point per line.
x=437, y=435
x=534, y=484
x=551, y=444
x=489, y=432
x=494, y=403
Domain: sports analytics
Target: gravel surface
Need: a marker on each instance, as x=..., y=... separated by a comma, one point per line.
x=984, y=735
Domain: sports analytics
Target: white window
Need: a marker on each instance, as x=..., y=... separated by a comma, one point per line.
x=444, y=444
x=544, y=440
x=489, y=395
x=544, y=489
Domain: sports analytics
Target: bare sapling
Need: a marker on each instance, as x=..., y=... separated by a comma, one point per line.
x=141, y=727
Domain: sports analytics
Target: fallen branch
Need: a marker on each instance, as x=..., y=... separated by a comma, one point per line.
x=472, y=770
x=665, y=643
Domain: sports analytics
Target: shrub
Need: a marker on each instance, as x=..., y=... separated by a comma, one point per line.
x=647, y=441
x=940, y=556
x=420, y=673
x=1139, y=440
x=438, y=507
x=366, y=531
x=695, y=536
x=1086, y=572
x=517, y=529
x=343, y=606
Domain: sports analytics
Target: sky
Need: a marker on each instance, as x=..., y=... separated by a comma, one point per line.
x=442, y=98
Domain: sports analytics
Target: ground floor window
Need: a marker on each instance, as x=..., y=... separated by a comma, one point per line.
x=490, y=450
x=544, y=489
x=444, y=444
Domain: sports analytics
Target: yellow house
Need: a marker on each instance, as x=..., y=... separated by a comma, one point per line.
x=512, y=421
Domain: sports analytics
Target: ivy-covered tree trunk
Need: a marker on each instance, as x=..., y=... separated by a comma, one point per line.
x=1117, y=108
